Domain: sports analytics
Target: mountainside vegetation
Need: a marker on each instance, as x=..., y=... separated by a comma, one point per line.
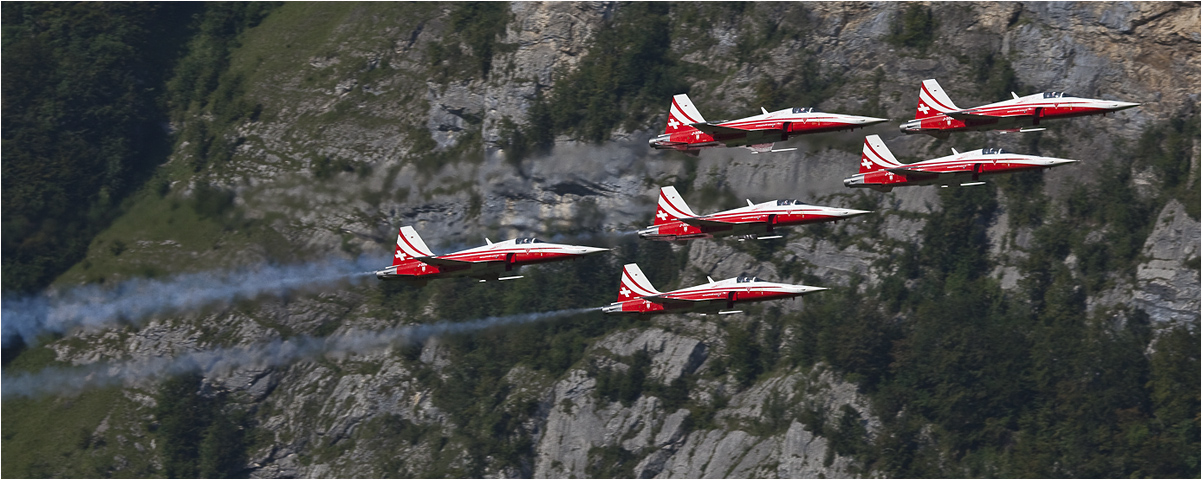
x=84, y=118
x=145, y=139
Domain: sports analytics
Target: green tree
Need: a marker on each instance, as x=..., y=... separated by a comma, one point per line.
x=83, y=115
x=914, y=28
x=183, y=415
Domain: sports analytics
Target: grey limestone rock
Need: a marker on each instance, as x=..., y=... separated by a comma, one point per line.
x=1168, y=282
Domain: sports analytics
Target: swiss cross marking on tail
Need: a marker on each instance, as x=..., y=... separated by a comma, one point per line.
x=624, y=292
x=672, y=123
x=662, y=215
x=866, y=163
x=399, y=255
x=923, y=108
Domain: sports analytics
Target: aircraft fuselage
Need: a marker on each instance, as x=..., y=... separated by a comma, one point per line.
x=710, y=298
x=488, y=261
x=761, y=129
x=1028, y=111
x=758, y=219
x=951, y=170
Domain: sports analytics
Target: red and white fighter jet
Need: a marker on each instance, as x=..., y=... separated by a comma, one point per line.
x=636, y=295
x=880, y=171
x=688, y=132
x=938, y=116
x=675, y=221
x=413, y=261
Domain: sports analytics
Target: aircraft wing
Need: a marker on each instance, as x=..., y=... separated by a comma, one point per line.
x=664, y=299
x=964, y=167
x=443, y=262
x=970, y=115
x=701, y=222
x=714, y=129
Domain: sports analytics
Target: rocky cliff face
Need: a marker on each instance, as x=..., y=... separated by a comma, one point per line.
x=359, y=89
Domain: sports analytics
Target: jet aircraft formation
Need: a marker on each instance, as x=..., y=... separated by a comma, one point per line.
x=688, y=132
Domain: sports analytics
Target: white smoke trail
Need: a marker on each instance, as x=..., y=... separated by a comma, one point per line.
x=59, y=381
x=95, y=307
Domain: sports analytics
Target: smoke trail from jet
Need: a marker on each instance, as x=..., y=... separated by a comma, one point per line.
x=134, y=301
x=71, y=380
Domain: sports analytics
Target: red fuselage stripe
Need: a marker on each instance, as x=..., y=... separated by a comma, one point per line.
x=935, y=100
x=880, y=160
x=741, y=123
x=418, y=250
x=665, y=202
x=682, y=112
x=634, y=286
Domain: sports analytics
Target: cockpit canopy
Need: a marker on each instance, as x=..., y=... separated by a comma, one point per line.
x=520, y=241
x=805, y=110
x=746, y=279
x=781, y=203
x=1057, y=95
x=993, y=151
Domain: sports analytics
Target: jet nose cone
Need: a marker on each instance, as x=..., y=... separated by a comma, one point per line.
x=1055, y=162
x=847, y=212
x=871, y=120
x=588, y=250
x=1116, y=106
x=804, y=289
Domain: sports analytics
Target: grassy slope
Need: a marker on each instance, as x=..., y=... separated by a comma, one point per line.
x=164, y=230
x=275, y=77
x=59, y=437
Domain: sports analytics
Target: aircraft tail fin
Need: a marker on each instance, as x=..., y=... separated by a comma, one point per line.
x=932, y=100
x=682, y=114
x=409, y=245
x=634, y=283
x=876, y=155
x=671, y=206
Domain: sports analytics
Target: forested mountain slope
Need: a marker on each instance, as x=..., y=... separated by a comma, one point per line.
x=1044, y=324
